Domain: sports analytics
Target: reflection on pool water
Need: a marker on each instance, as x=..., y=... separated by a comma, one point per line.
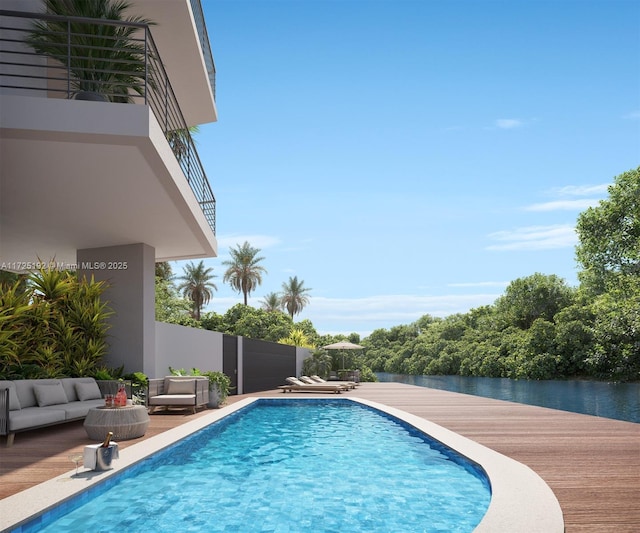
x=289, y=465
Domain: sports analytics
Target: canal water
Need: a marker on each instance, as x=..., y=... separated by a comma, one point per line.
x=610, y=400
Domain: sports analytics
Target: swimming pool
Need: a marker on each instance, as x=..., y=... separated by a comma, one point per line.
x=520, y=500
x=283, y=465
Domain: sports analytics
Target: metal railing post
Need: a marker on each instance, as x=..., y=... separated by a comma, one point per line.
x=68, y=59
x=146, y=67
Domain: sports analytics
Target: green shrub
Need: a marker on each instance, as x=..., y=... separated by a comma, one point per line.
x=52, y=326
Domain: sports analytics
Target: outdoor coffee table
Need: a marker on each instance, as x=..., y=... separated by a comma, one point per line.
x=128, y=422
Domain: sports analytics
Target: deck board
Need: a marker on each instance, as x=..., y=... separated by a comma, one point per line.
x=592, y=464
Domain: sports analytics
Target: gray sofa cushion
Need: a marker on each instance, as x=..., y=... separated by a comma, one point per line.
x=88, y=391
x=50, y=394
x=14, y=403
x=34, y=417
x=73, y=410
x=69, y=385
x=24, y=389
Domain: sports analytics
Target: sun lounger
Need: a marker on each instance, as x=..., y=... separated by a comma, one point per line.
x=311, y=381
x=295, y=385
x=319, y=380
x=314, y=381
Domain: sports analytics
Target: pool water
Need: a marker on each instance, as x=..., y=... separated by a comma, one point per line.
x=620, y=401
x=291, y=466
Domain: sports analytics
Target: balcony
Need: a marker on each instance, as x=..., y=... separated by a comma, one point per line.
x=106, y=78
x=205, y=46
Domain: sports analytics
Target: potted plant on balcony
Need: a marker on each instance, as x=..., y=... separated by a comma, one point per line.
x=105, y=62
x=180, y=140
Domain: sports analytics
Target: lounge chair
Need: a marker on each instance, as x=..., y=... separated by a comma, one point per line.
x=314, y=381
x=295, y=385
x=310, y=381
x=178, y=391
x=319, y=380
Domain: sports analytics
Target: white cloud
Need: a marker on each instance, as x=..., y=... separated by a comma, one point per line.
x=508, y=123
x=534, y=238
x=385, y=311
x=581, y=190
x=564, y=205
x=634, y=115
x=596, y=192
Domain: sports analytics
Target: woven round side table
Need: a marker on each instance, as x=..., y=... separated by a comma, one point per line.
x=128, y=422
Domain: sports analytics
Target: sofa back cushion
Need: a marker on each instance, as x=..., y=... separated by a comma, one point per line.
x=70, y=387
x=50, y=394
x=181, y=386
x=88, y=390
x=192, y=390
x=14, y=402
x=24, y=389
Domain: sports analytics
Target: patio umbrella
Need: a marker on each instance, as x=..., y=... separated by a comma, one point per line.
x=343, y=345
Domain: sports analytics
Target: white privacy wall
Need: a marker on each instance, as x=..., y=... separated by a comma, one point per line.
x=301, y=355
x=184, y=347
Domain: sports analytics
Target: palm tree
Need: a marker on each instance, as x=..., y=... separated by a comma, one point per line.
x=244, y=273
x=271, y=302
x=297, y=337
x=197, y=286
x=109, y=60
x=294, y=296
x=164, y=271
x=319, y=363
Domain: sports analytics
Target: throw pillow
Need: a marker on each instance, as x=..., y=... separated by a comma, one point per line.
x=181, y=386
x=88, y=391
x=50, y=394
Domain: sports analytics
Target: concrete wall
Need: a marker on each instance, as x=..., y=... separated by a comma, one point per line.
x=301, y=355
x=130, y=272
x=184, y=347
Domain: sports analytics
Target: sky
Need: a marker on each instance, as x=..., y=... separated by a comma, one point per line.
x=412, y=157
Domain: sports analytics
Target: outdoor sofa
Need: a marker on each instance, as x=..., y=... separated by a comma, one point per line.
x=178, y=391
x=34, y=403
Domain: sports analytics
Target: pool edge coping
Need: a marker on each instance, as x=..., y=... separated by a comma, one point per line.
x=520, y=499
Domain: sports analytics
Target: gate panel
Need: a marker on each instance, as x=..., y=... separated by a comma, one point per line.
x=265, y=365
x=230, y=360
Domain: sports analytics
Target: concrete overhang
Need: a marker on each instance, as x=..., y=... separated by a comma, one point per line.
x=176, y=37
x=76, y=175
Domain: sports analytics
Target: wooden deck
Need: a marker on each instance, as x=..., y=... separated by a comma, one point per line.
x=592, y=464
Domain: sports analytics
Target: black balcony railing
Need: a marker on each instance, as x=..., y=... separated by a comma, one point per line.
x=203, y=36
x=79, y=58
